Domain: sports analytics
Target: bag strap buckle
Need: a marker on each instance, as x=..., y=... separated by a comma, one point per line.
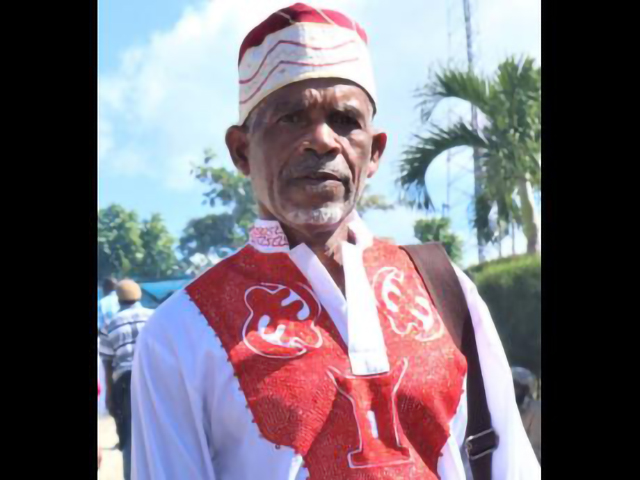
x=482, y=444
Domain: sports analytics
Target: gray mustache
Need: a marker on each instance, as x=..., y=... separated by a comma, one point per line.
x=310, y=165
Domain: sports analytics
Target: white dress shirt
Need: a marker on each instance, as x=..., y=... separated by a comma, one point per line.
x=190, y=418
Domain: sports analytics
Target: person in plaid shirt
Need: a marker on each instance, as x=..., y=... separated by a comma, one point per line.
x=118, y=338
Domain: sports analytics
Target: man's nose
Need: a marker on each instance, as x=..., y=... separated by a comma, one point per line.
x=322, y=140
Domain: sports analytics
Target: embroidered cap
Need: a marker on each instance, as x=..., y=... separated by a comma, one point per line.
x=298, y=43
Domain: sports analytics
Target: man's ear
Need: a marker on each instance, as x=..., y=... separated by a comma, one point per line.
x=238, y=145
x=378, y=144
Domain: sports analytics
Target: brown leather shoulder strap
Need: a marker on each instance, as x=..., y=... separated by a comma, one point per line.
x=442, y=283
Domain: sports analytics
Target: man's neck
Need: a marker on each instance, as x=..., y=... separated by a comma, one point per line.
x=322, y=242
x=326, y=246
x=126, y=306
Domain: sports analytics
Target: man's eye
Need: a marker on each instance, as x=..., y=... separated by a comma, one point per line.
x=290, y=118
x=344, y=120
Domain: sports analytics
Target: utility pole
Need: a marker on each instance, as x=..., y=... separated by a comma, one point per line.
x=446, y=208
x=477, y=172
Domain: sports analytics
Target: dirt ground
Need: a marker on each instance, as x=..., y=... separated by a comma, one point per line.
x=111, y=468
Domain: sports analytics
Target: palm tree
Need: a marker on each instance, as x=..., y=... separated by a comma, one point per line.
x=508, y=143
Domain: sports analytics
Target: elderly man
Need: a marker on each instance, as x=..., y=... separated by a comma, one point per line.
x=525, y=385
x=118, y=338
x=315, y=351
x=108, y=305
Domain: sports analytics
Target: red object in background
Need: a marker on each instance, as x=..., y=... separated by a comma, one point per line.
x=98, y=387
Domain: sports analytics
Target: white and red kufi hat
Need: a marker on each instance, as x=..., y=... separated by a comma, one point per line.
x=298, y=43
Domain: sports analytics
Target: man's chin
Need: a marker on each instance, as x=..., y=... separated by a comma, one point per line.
x=321, y=218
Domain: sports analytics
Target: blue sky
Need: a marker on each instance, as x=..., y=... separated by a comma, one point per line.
x=167, y=90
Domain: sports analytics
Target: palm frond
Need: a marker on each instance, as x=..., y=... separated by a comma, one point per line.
x=417, y=158
x=453, y=83
x=480, y=209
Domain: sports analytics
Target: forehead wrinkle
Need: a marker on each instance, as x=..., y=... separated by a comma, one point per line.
x=325, y=99
x=312, y=97
x=308, y=98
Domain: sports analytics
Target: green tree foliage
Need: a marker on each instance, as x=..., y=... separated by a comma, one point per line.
x=119, y=244
x=511, y=287
x=439, y=230
x=129, y=248
x=508, y=143
x=214, y=232
x=159, y=260
x=220, y=233
x=230, y=189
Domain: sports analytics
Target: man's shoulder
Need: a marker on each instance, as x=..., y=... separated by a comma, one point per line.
x=384, y=244
x=175, y=318
x=396, y=253
x=142, y=312
x=110, y=303
x=119, y=317
x=132, y=313
x=181, y=313
x=106, y=300
x=242, y=259
x=385, y=247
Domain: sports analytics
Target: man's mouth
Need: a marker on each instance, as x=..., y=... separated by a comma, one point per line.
x=322, y=177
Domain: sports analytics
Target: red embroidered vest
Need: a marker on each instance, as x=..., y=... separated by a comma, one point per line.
x=293, y=366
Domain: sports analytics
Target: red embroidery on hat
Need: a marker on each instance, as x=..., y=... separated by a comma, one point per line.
x=290, y=42
x=296, y=13
x=387, y=426
x=303, y=64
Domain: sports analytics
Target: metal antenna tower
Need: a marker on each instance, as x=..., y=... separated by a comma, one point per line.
x=477, y=172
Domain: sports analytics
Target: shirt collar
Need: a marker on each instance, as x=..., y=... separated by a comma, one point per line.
x=130, y=307
x=267, y=236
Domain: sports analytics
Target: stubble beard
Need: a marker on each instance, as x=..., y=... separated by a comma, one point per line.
x=330, y=214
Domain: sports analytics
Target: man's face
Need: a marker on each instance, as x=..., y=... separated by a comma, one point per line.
x=309, y=148
x=521, y=392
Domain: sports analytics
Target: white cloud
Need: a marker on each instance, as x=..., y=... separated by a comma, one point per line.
x=105, y=140
x=508, y=27
x=129, y=162
x=175, y=96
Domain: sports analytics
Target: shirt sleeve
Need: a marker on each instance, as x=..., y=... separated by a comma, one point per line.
x=169, y=440
x=452, y=464
x=514, y=459
x=105, y=346
x=100, y=316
